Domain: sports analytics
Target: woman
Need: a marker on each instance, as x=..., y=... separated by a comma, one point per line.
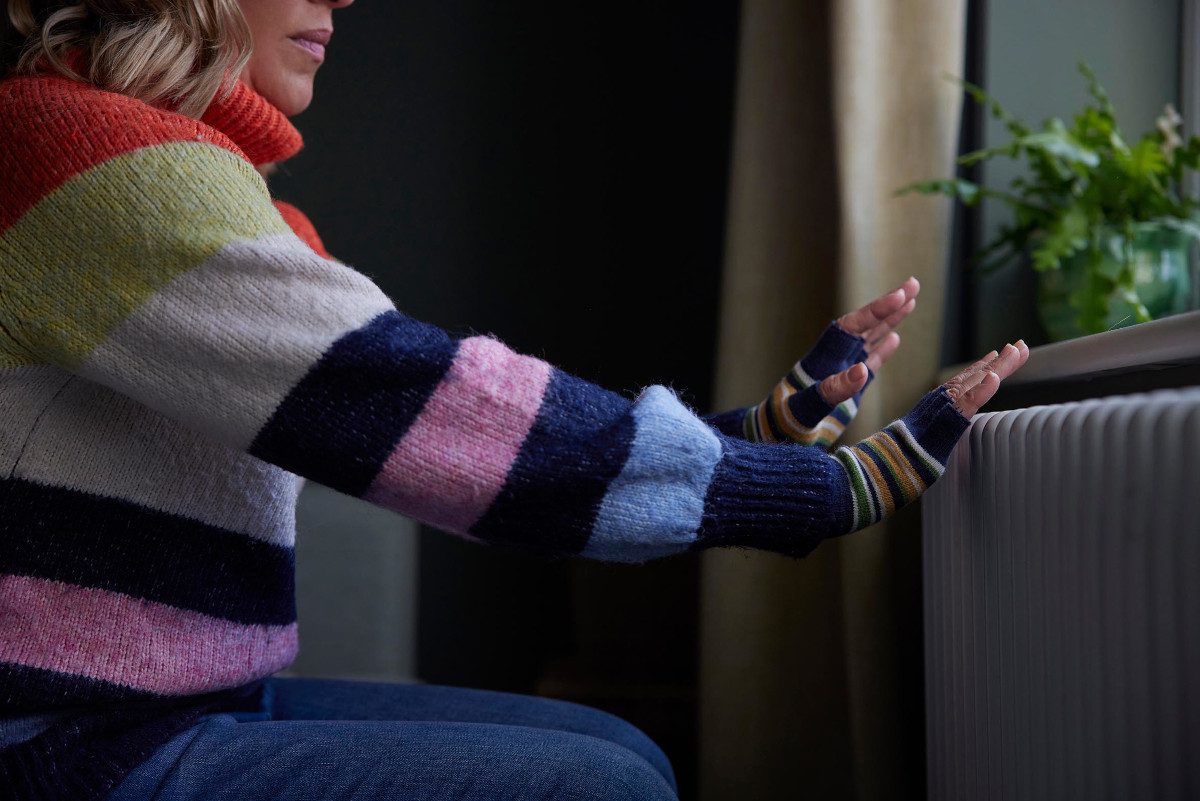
x=176, y=349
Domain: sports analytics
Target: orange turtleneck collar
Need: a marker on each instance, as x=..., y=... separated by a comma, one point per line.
x=259, y=129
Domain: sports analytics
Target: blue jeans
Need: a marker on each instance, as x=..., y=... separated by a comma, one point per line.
x=318, y=740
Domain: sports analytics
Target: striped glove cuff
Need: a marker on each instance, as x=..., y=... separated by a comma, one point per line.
x=795, y=410
x=894, y=466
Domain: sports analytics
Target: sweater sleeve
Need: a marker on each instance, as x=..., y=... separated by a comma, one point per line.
x=731, y=422
x=167, y=275
x=302, y=227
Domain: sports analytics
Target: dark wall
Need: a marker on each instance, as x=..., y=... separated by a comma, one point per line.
x=556, y=175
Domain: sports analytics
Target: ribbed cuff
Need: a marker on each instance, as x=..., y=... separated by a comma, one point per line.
x=780, y=498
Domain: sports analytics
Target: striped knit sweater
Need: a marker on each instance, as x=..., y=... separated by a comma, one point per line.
x=176, y=350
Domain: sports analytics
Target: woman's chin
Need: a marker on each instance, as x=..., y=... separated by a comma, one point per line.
x=291, y=94
x=296, y=99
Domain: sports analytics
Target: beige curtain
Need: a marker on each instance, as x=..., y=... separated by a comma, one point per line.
x=810, y=677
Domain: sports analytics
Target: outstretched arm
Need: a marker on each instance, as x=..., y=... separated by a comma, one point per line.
x=187, y=292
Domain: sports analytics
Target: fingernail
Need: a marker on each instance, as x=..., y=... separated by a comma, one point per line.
x=1021, y=342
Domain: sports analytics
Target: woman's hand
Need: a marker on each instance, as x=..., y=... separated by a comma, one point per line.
x=976, y=385
x=875, y=323
x=819, y=397
x=894, y=466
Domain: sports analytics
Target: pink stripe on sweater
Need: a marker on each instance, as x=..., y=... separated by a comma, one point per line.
x=452, y=462
x=140, y=644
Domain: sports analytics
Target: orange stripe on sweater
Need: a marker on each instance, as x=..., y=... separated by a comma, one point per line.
x=302, y=227
x=52, y=129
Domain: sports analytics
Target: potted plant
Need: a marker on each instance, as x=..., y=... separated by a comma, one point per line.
x=1107, y=224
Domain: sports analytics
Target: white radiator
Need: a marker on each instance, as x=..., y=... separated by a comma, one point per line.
x=1062, y=604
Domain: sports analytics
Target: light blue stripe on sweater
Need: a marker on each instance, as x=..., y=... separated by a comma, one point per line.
x=654, y=507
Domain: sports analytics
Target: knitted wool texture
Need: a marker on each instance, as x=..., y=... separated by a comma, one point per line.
x=176, y=349
x=795, y=410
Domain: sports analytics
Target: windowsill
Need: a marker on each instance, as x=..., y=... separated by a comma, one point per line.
x=1154, y=355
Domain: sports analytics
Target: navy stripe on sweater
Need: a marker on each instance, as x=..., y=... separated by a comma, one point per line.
x=341, y=421
x=787, y=499
x=731, y=422
x=577, y=445
x=30, y=690
x=85, y=755
x=107, y=543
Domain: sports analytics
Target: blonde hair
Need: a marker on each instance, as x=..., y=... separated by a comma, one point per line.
x=176, y=52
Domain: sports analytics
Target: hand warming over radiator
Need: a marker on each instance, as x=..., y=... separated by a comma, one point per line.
x=815, y=402
x=894, y=466
x=976, y=385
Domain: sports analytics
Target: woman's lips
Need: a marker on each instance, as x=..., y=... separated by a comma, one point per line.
x=313, y=42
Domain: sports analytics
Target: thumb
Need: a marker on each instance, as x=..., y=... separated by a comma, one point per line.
x=841, y=386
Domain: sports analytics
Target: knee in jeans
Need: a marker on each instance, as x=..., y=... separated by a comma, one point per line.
x=605, y=725
x=605, y=771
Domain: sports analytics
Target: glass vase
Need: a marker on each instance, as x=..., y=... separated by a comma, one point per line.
x=1162, y=283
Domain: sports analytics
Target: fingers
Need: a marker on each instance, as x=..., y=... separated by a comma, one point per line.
x=866, y=318
x=882, y=329
x=976, y=385
x=882, y=351
x=879, y=310
x=968, y=379
x=970, y=403
x=1012, y=357
x=842, y=386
